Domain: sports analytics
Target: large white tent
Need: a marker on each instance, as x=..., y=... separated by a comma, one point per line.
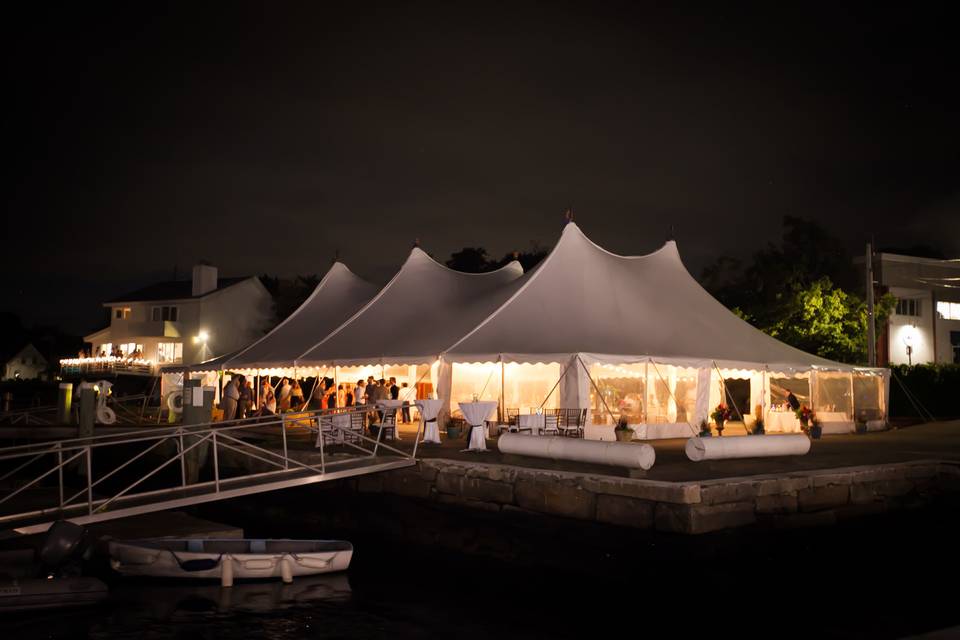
x=616, y=326
x=624, y=336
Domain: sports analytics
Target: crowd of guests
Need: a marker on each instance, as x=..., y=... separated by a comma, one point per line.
x=115, y=352
x=239, y=399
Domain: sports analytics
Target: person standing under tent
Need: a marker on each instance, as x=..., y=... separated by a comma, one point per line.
x=792, y=400
x=231, y=396
x=284, y=395
x=405, y=392
x=251, y=394
x=348, y=398
x=341, y=396
x=394, y=389
x=332, y=397
x=268, y=400
x=296, y=396
x=360, y=392
x=244, y=402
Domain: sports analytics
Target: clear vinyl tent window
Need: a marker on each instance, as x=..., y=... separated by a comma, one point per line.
x=526, y=386
x=834, y=396
x=474, y=381
x=622, y=387
x=672, y=394
x=868, y=397
x=781, y=386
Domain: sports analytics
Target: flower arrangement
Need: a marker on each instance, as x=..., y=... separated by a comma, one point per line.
x=804, y=414
x=758, y=427
x=622, y=424
x=720, y=414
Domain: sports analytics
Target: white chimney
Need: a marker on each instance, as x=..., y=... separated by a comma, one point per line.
x=204, y=279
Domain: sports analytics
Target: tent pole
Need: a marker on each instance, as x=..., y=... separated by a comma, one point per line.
x=503, y=409
x=646, y=389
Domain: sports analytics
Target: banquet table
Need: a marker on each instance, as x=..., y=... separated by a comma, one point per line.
x=476, y=414
x=532, y=421
x=784, y=421
x=340, y=422
x=429, y=410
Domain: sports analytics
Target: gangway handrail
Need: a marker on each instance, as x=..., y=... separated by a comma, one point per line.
x=162, y=431
x=220, y=435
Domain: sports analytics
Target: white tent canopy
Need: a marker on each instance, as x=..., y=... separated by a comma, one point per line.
x=584, y=299
x=337, y=297
x=424, y=308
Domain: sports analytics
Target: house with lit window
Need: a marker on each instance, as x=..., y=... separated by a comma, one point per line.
x=25, y=363
x=925, y=326
x=180, y=321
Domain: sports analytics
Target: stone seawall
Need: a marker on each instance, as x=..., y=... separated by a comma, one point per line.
x=795, y=499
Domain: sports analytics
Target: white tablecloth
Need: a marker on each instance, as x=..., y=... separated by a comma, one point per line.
x=784, y=421
x=476, y=414
x=532, y=421
x=429, y=409
x=341, y=420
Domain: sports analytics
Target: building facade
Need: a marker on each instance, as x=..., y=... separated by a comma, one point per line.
x=186, y=322
x=25, y=364
x=925, y=326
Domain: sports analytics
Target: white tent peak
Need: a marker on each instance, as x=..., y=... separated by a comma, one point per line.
x=336, y=297
x=424, y=307
x=584, y=299
x=571, y=228
x=418, y=254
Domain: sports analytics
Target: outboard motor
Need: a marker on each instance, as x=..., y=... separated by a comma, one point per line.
x=63, y=548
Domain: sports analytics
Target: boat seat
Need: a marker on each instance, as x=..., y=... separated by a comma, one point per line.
x=258, y=546
x=195, y=546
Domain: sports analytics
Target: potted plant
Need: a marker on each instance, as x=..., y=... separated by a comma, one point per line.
x=704, y=429
x=720, y=415
x=758, y=428
x=623, y=431
x=816, y=429
x=804, y=414
x=454, y=428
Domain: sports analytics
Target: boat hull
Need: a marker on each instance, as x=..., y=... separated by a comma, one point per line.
x=167, y=559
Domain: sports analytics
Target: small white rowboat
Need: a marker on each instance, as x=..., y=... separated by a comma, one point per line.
x=226, y=559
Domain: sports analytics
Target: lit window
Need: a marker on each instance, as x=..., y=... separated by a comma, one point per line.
x=170, y=352
x=949, y=310
x=908, y=307
x=121, y=313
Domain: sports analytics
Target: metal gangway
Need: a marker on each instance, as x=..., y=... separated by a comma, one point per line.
x=103, y=477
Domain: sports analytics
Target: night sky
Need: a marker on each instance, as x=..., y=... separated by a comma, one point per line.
x=147, y=136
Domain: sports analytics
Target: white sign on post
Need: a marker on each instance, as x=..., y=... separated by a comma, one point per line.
x=198, y=398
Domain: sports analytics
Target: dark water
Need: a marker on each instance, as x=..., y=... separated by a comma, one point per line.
x=881, y=577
